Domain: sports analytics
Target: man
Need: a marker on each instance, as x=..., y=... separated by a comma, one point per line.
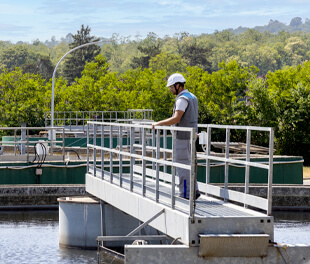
x=185, y=114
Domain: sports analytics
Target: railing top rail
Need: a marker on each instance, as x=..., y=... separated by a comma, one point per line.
x=32, y=128
x=187, y=129
x=236, y=127
x=140, y=110
x=112, y=111
x=108, y=111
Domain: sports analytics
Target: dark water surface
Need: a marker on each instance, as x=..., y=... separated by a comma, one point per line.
x=292, y=227
x=32, y=237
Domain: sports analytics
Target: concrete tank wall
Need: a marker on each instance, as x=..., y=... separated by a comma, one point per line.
x=79, y=222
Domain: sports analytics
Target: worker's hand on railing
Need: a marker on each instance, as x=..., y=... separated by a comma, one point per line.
x=154, y=124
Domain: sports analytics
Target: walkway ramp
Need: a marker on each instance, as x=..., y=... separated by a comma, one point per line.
x=139, y=179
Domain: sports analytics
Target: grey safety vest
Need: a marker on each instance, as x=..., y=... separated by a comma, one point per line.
x=190, y=116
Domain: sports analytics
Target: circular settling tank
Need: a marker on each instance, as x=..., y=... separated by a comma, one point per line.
x=79, y=221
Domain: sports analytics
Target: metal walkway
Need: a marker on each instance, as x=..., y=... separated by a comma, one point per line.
x=138, y=177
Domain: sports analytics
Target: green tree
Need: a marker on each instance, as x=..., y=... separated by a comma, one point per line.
x=21, y=99
x=195, y=54
x=75, y=62
x=225, y=52
x=260, y=109
x=196, y=82
x=119, y=53
x=296, y=22
x=13, y=57
x=149, y=48
x=296, y=51
x=86, y=93
x=42, y=66
x=30, y=59
x=56, y=54
x=224, y=91
x=263, y=57
x=282, y=101
x=171, y=63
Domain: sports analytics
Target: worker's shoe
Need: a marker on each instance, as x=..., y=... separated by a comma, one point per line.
x=196, y=196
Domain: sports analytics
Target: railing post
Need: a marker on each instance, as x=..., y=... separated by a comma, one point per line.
x=15, y=142
x=173, y=169
x=192, y=192
x=132, y=159
x=23, y=139
x=83, y=119
x=227, y=157
x=140, y=136
x=165, y=148
x=120, y=156
x=87, y=147
x=143, y=160
x=70, y=121
x=270, y=171
x=27, y=131
x=63, y=144
x=95, y=149
x=111, y=154
x=208, y=155
x=102, y=152
x=52, y=139
x=153, y=150
x=247, y=167
x=157, y=164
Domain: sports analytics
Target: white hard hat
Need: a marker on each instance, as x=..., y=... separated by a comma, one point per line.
x=175, y=78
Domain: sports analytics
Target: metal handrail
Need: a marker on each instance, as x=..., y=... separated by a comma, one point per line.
x=148, y=159
x=25, y=143
x=148, y=155
x=73, y=119
x=246, y=198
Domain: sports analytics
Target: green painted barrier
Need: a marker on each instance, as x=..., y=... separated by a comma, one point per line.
x=55, y=173
x=286, y=170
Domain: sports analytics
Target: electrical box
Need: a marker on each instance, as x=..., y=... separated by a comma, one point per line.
x=38, y=171
x=203, y=138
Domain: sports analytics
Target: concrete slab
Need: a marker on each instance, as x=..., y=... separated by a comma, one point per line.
x=164, y=254
x=212, y=216
x=307, y=182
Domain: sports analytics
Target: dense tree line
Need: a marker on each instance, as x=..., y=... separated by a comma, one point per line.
x=248, y=79
x=275, y=26
x=280, y=99
x=265, y=50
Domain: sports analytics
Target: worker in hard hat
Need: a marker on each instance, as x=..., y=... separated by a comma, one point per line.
x=185, y=114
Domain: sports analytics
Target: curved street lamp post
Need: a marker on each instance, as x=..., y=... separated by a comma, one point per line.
x=53, y=82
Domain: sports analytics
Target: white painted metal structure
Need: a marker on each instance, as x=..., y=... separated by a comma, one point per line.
x=21, y=147
x=246, y=199
x=77, y=120
x=144, y=184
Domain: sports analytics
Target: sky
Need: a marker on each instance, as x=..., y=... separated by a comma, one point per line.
x=28, y=20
